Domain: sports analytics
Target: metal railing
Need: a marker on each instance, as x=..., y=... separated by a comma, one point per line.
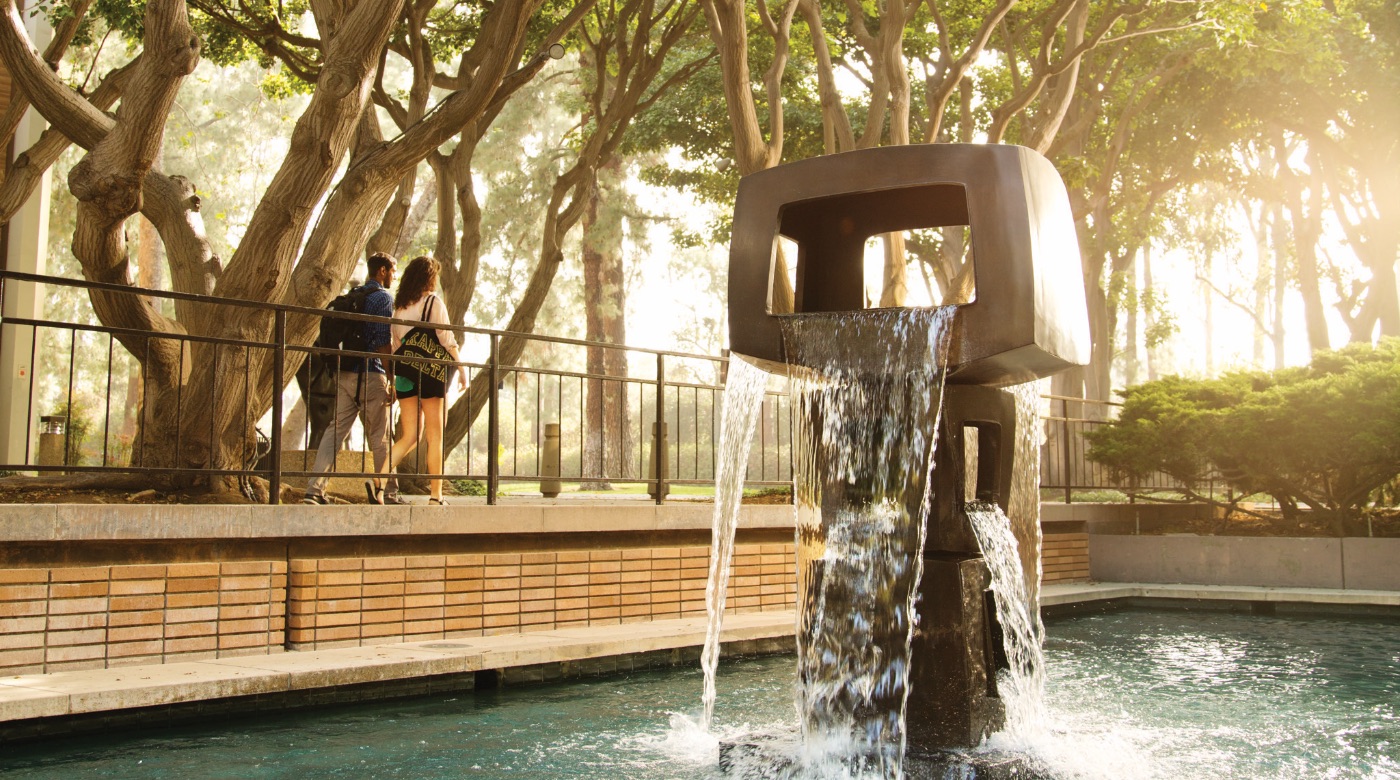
x=661, y=428
x=658, y=425
x=1064, y=462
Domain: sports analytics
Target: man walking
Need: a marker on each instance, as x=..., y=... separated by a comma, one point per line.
x=362, y=386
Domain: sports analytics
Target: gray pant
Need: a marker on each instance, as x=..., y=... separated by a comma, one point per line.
x=355, y=394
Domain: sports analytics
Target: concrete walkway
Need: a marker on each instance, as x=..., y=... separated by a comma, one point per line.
x=103, y=690
x=62, y=694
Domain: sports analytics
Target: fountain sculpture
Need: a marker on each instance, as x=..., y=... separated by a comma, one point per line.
x=1027, y=320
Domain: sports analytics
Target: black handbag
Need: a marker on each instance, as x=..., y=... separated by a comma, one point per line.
x=422, y=342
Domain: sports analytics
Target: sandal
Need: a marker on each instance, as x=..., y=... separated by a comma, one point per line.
x=376, y=495
x=437, y=502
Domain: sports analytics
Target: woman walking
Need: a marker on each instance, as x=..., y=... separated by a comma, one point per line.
x=422, y=386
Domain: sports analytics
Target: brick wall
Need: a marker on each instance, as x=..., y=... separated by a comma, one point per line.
x=345, y=601
x=1064, y=558
x=92, y=617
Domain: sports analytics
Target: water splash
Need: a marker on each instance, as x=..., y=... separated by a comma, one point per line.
x=866, y=401
x=743, y=396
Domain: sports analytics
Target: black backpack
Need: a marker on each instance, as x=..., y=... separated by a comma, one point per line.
x=344, y=333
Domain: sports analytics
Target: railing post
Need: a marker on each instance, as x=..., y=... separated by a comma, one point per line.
x=493, y=430
x=549, y=466
x=279, y=355
x=658, y=433
x=1066, y=469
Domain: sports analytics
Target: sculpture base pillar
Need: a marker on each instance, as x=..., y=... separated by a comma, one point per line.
x=953, y=659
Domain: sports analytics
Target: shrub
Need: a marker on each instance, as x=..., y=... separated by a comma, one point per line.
x=469, y=487
x=1326, y=436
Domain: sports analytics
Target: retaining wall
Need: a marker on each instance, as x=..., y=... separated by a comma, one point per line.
x=1350, y=563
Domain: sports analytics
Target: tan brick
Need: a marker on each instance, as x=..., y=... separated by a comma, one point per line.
x=339, y=592
x=465, y=586
x=605, y=555
x=570, y=569
x=382, y=602
x=192, y=584
x=464, y=572
x=23, y=577
x=418, y=588
x=24, y=592
x=501, y=573
x=336, y=633
x=571, y=591
x=423, y=600
x=192, y=615
x=538, y=621
x=75, y=666
x=596, y=567
x=387, y=576
x=338, y=605
x=635, y=610
x=339, y=564
x=23, y=625
x=604, y=615
x=571, y=603
x=338, y=578
x=337, y=619
x=425, y=561
x=245, y=568
x=604, y=600
x=249, y=626
x=248, y=582
x=527, y=583
x=381, y=616
x=570, y=615
x=462, y=610
x=463, y=598
x=135, y=633
x=507, y=608
x=300, y=622
x=69, y=606
x=136, y=587
x=665, y=597
x=82, y=620
x=502, y=583
x=425, y=575
x=386, y=562
x=605, y=578
x=695, y=552
x=77, y=590
x=11, y=658
x=635, y=587
x=301, y=565
x=630, y=566
x=422, y=627
x=571, y=556
x=129, y=649
x=388, y=589
x=133, y=603
x=503, y=559
x=178, y=630
x=384, y=632
x=500, y=621
x=665, y=552
x=183, y=600
x=244, y=611
x=460, y=626
x=21, y=641
x=197, y=570
x=468, y=559
x=570, y=580
x=57, y=653
x=242, y=641
x=636, y=576
x=80, y=573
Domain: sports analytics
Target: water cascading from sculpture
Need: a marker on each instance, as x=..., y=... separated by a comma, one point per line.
x=901, y=436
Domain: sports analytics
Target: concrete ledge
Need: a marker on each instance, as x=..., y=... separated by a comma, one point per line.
x=1274, y=562
x=146, y=522
x=27, y=697
x=1079, y=593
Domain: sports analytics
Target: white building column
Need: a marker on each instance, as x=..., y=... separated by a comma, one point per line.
x=26, y=252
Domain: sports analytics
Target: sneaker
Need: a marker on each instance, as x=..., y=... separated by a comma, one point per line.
x=315, y=500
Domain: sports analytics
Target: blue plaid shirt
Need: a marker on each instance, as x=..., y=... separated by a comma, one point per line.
x=380, y=304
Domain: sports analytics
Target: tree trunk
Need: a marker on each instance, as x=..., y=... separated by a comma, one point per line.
x=607, y=441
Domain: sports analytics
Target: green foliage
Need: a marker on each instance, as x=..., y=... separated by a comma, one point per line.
x=469, y=487
x=79, y=424
x=1326, y=436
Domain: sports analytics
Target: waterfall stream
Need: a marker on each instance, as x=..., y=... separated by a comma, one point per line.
x=743, y=396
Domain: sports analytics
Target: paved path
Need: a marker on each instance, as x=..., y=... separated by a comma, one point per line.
x=100, y=690
x=104, y=690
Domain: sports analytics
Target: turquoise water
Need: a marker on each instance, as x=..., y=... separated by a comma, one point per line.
x=1131, y=694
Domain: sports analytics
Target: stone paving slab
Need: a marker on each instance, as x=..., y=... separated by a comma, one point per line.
x=23, y=697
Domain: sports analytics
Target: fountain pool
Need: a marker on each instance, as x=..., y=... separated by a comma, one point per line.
x=1130, y=694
